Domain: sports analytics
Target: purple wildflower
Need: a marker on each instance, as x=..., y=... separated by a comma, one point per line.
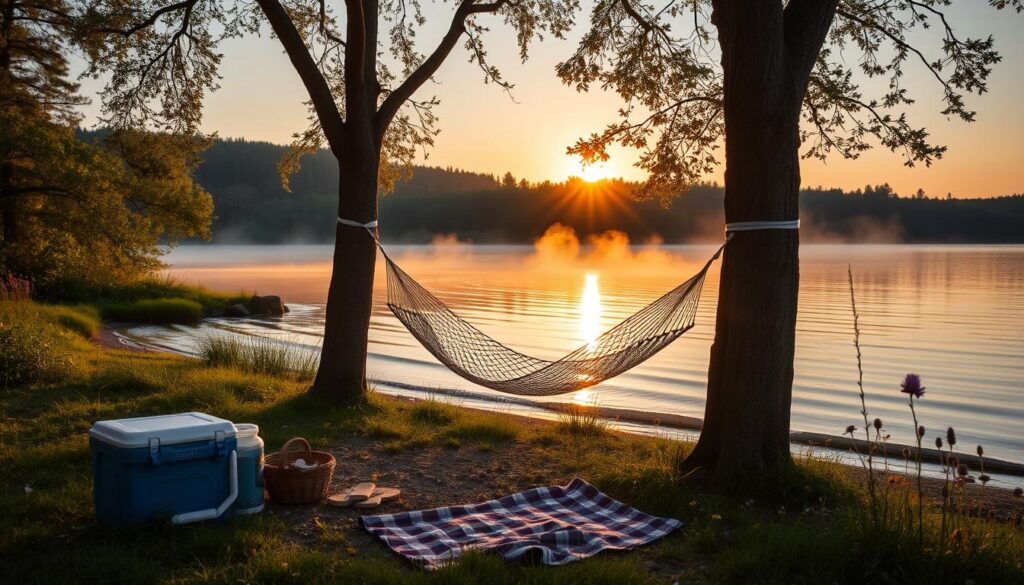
x=912, y=385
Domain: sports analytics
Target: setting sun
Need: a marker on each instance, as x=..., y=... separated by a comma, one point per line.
x=590, y=173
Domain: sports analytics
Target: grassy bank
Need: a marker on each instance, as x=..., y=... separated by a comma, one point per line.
x=148, y=300
x=809, y=527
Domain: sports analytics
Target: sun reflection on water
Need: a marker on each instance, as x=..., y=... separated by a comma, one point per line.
x=590, y=311
x=584, y=397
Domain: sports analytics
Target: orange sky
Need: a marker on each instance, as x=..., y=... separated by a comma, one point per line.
x=483, y=130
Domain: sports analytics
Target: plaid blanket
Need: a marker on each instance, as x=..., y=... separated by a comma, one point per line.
x=560, y=523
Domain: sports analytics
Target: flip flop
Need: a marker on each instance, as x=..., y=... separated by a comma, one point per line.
x=362, y=491
x=371, y=502
x=342, y=500
x=387, y=494
x=358, y=493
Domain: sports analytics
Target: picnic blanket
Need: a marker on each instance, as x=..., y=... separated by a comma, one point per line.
x=560, y=523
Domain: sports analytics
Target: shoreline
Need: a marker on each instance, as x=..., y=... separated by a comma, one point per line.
x=109, y=337
x=998, y=499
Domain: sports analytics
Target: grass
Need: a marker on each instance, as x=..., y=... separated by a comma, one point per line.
x=257, y=355
x=811, y=530
x=148, y=288
x=38, y=343
x=581, y=421
x=154, y=299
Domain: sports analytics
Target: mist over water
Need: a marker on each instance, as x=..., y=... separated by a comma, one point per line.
x=953, y=314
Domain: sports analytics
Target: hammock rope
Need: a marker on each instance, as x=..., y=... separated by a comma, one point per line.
x=479, y=358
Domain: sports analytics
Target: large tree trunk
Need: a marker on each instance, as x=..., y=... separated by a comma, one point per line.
x=341, y=377
x=750, y=378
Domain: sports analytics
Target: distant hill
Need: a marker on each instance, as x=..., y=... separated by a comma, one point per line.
x=251, y=206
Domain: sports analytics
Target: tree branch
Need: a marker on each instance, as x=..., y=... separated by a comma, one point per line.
x=151, y=20
x=632, y=12
x=432, y=63
x=317, y=87
x=899, y=43
x=805, y=24
x=323, y=25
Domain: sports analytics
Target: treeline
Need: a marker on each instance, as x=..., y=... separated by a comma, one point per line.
x=252, y=206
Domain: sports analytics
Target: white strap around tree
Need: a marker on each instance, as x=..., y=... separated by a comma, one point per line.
x=349, y=222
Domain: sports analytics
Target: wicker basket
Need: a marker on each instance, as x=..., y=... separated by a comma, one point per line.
x=288, y=484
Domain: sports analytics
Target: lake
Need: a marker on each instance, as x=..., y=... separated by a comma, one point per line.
x=953, y=314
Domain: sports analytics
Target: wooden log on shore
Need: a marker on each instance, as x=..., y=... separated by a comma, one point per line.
x=840, y=442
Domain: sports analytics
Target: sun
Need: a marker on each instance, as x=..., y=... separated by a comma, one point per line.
x=591, y=173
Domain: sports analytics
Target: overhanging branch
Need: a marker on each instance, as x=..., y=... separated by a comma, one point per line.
x=317, y=87
x=432, y=63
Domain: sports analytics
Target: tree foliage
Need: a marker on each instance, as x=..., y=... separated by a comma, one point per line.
x=663, y=59
x=162, y=59
x=71, y=209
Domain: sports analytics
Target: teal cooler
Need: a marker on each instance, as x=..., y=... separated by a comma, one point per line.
x=182, y=467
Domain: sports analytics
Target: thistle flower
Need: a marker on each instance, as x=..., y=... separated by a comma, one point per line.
x=920, y=431
x=981, y=452
x=850, y=429
x=878, y=424
x=951, y=436
x=912, y=385
x=962, y=470
x=984, y=478
x=938, y=442
x=906, y=452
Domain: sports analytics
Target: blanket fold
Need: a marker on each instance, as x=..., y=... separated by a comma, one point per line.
x=561, y=524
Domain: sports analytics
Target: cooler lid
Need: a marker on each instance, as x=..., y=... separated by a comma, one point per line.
x=169, y=429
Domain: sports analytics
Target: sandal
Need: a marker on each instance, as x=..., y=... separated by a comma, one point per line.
x=352, y=497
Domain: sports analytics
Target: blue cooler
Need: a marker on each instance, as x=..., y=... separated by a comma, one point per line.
x=183, y=467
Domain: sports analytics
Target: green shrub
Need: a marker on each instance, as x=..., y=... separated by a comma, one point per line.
x=151, y=288
x=30, y=352
x=155, y=311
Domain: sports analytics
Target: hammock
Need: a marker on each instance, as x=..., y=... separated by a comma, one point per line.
x=479, y=358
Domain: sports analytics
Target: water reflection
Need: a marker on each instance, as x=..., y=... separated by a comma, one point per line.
x=953, y=314
x=584, y=397
x=590, y=311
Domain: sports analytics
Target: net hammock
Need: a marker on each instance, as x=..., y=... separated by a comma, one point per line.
x=479, y=358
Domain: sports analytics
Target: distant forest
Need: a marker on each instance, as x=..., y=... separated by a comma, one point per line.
x=252, y=207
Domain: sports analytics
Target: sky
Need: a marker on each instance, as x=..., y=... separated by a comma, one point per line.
x=483, y=129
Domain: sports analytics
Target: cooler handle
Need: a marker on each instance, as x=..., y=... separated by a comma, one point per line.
x=212, y=513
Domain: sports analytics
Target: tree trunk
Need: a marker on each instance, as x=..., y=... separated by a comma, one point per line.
x=750, y=377
x=8, y=205
x=341, y=377
x=7, y=202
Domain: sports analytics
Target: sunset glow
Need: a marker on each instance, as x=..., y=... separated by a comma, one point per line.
x=595, y=172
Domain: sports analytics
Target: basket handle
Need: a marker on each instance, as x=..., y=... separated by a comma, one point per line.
x=287, y=461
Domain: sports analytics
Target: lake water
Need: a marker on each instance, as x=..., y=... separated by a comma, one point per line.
x=953, y=314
